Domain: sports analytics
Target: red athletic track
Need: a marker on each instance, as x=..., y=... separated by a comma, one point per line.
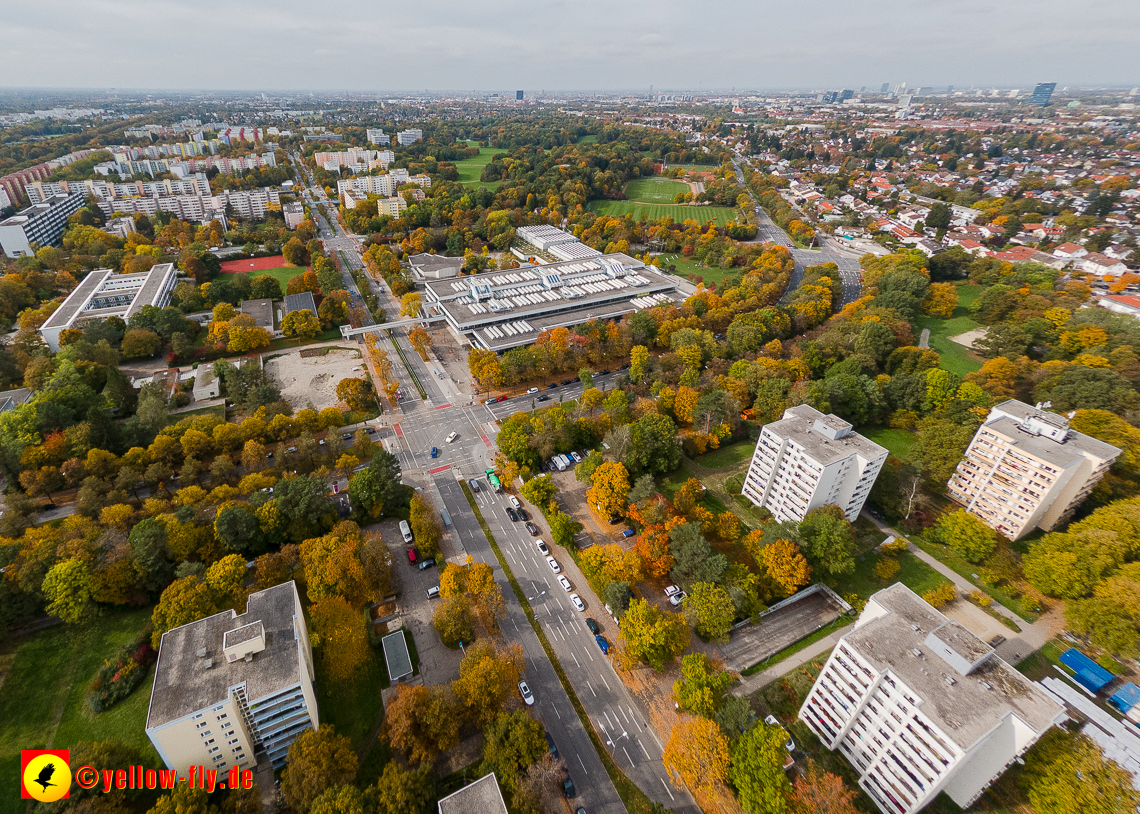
x=253, y=264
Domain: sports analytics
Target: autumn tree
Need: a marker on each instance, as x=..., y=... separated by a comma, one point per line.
x=512, y=743
x=404, y=791
x=487, y=680
x=610, y=488
x=709, y=610
x=422, y=722
x=140, y=343
x=697, y=755
x=319, y=759
x=453, y=621
x=184, y=601
x=421, y=341
x=651, y=635
x=333, y=566
x=69, y=589
x=828, y=540
x=358, y=394
x=817, y=791
x=306, y=281
x=1068, y=774
x=701, y=685
x=966, y=535
x=340, y=638
x=941, y=300
x=410, y=304
x=786, y=565
x=302, y=324
x=425, y=526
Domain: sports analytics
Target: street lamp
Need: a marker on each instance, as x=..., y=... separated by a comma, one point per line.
x=613, y=743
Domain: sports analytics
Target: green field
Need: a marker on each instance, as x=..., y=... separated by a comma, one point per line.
x=728, y=455
x=471, y=168
x=695, y=167
x=43, y=705
x=283, y=274
x=654, y=190
x=955, y=357
x=591, y=139
x=913, y=573
x=720, y=215
x=899, y=442
x=686, y=266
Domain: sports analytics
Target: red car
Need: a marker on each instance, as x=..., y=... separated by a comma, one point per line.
x=411, y=556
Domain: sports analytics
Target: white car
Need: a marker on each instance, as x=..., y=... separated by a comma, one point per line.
x=542, y=546
x=554, y=566
x=452, y=437
x=577, y=602
x=677, y=598
x=672, y=589
x=565, y=583
x=532, y=391
x=771, y=721
x=577, y=458
x=527, y=695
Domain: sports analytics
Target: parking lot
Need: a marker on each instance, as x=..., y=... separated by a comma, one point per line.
x=782, y=628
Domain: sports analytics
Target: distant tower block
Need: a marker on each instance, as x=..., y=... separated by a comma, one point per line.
x=518, y=95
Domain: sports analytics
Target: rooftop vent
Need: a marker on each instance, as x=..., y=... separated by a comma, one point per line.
x=986, y=684
x=916, y=653
x=201, y=652
x=951, y=680
x=207, y=664
x=915, y=628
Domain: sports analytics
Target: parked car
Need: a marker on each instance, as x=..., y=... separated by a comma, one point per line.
x=542, y=547
x=531, y=390
x=577, y=458
x=543, y=398
x=672, y=589
x=568, y=381
x=628, y=533
x=602, y=643
x=521, y=512
x=291, y=449
x=551, y=387
x=790, y=745
x=435, y=452
x=345, y=436
x=577, y=602
x=451, y=438
x=514, y=501
x=677, y=598
x=492, y=400
x=568, y=789
x=433, y=592
x=412, y=558
x=427, y=564
x=592, y=626
x=565, y=583
x=527, y=695
x=533, y=529
x=554, y=566
x=550, y=745
x=512, y=514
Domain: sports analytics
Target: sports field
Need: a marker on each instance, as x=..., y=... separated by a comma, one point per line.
x=720, y=215
x=654, y=190
x=470, y=168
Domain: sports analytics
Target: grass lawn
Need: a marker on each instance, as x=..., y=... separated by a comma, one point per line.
x=719, y=215
x=471, y=168
x=331, y=335
x=43, y=698
x=654, y=190
x=728, y=455
x=899, y=442
x=955, y=357
x=218, y=409
x=591, y=139
x=354, y=708
x=1024, y=607
x=695, y=167
x=913, y=572
x=283, y=274
x=686, y=266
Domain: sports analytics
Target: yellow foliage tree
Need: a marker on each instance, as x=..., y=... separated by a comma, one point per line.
x=786, y=565
x=697, y=754
x=610, y=489
x=340, y=638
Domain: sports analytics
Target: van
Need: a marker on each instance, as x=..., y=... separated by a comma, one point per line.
x=559, y=464
x=433, y=592
x=567, y=461
x=406, y=530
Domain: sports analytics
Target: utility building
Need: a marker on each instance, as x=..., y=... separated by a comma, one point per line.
x=919, y=705
x=807, y=460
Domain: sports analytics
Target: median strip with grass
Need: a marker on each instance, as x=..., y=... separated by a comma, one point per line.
x=404, y=359
x=634, y=798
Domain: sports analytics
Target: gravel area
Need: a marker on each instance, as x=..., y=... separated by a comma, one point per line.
x=312, y=381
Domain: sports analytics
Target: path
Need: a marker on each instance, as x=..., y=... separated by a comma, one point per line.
x=924, y=338
x=750, y=684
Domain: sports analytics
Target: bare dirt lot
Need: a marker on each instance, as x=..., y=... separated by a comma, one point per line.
x=312, y=381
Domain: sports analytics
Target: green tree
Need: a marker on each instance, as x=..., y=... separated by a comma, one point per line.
x=377, y=489
x=318, y=760
x=966, y=535
x=539, y=491
x=453, y=621
x=302, y=324
x=757, y=770
x=512, y=743
x=69, y=589
x=828, y=540
x=184, y=601
x=651, y=635
x=709, y=610
x=700, y=688
x=1068, y=774
x=140, y=343
x=694, y=560
x=652, y=445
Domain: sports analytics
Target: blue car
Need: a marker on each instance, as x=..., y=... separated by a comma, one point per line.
x=602, y=643
x=435, y=452
x=628, y=533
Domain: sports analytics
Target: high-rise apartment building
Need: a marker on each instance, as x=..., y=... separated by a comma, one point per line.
x=40, y=224
x=377, y=136
x=409, y=136
x=920, y=705
x=807, y=460
x=392, y=207
x=885, y=88
x=1042, y=93
x=231, y=687
x=1026, y=469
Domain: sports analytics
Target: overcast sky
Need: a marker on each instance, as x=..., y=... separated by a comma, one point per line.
x=566, y=45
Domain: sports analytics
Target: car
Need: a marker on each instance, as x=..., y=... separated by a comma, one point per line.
x=527, y=695
x=533, y=529
x=269, y=489
x=577, y=458
x=551, y=387
x=433, y=592
x=628, y=533
x=435, y=452
x=603, y=644
x=543, y=398
x=677, y=598
x=514, y=501
x=615, y=520
x=550, y=745
x=592, y=626
x=269, y=455
x=291, y=449
x=789, y=245
x=554, y=566
x=370, y=430
x=565, y=583
x=790, y=745
x=568, y=789
x=531, y=390
x=606, y=371
x=451, y=438
x=577, y=602
x=521, y=512
x=321, y=443
x=493, y=400
x=624, y=367
x=412, y=555
x=568, y=381
x=474, y=486
x=511, y=513
x=427, y=564
x=672, y=589
x=579, y=810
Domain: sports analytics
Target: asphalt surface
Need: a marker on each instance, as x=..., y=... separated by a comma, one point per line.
x=783, y=627
x=553, y=395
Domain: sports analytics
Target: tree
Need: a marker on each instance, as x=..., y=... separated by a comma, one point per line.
x=1068, y=774
x=487, y=680
x=453, y=622
x=319, y=759
x=701, y=685
x=694, y=560
x=302, y=323
x=786, y=565
x=140, y=343
x=540, y=789
x=425, y=527
x=410, y=304
x=512, y=743
x=966, y=535
x=939, y=216
x=333, y=567
x=697, y=755
x=377, y=489
x=183, y=799
x=652, y=636
x=295, y=253
x=404, y=791
x=828, y=540
x=757, y=770
x=709, y=610
x=184, y=601
x=358, y=394
x=69, y=589
x=820, y=792
x=340, y=638
x=652, y=445
x=610, y=490
x=421, y=722
x=339, y=800
x=941, y=300
x=539, y=491
x=238, y=529
x=421, y=341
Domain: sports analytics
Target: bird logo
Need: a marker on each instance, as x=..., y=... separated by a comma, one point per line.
x=46, y=775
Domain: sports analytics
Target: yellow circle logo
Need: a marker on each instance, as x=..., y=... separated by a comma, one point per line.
x=47, y=778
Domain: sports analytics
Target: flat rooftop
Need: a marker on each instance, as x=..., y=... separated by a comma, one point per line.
x=970, y=707
x=481, y=797
x=802, y=424
x=300, y=302
x=183, y=684
x=260, y=310
x=1074, y=448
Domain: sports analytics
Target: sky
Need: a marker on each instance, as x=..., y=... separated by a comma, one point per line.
x=496, y=45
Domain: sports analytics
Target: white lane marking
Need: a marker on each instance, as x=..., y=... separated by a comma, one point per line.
x=556, y=712
x=587, y=771
x=603, y=678
x=607, y=714
x=622, y=711
x=633, y=715
x=639, y=743
x=575, y=657
x=666, y=785
x=627, y=757
x=588, y=653
x=591, y=686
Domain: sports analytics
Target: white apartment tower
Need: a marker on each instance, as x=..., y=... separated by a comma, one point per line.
x=229, y=688
x=919, y=705
x=1026, y=469
x=807, y=460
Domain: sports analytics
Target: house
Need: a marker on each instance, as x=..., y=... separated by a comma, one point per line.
x=1102, y=265
x=11, y=399
x=929, y=247
x=1070, y=251
x=481, y=797
x=1121, y=303
x=266, y=314
x=300, y=302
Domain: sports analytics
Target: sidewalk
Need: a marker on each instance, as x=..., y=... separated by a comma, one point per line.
x=750, y=684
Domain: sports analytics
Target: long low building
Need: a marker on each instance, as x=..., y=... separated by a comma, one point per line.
x=504, y=309
x=104, y=293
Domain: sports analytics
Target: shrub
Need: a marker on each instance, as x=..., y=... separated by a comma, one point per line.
x=893, y=549
x=886, y=568
x=116, y=679
x=980, y=599
x=943, y=595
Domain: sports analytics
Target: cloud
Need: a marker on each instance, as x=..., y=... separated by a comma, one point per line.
x=561, y=45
